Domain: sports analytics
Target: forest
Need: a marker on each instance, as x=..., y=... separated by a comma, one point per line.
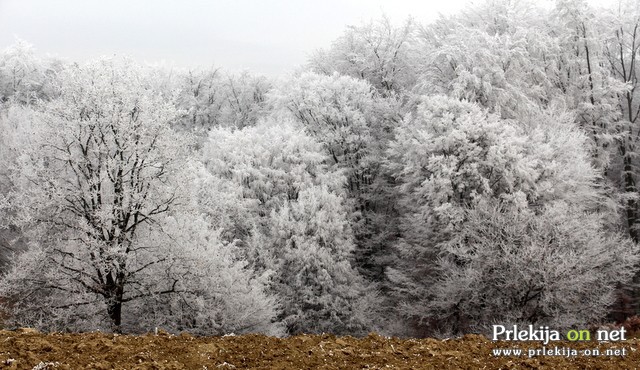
x=414, y=179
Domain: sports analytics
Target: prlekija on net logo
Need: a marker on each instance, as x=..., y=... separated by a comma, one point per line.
x=544, y=334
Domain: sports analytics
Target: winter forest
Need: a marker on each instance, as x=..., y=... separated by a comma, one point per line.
x=412, y=180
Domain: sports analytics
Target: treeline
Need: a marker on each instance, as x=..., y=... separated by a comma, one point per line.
x=412, y=180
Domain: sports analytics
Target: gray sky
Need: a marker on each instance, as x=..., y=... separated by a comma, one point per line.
x=268, y=37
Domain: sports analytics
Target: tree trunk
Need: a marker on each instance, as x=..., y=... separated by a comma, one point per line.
x=114, y=304
x=631, y=207
x=114, y=310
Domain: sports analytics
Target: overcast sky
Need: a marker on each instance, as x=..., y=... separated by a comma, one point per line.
x=267, y=37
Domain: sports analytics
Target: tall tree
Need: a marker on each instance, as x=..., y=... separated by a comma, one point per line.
x=98, y=175
x=95, y=194
x=354, y=124
x=457, y=164
x=583, y=78
x=298, y=224
x=621, y=47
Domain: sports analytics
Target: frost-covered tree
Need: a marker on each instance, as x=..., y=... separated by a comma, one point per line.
x=246, y=100
x=354, y=125
x=341, y=112
x=378, y=52
x=95, y=194
x=450, y=157
x=18, y=129
x=621, y=45
x=496, y=54
x=201, y=98
x=515, y=58
x=299, y=227
x=97, y=175
x=25, y=77
x=272, y=163
x=212, y=98
x=584, y=79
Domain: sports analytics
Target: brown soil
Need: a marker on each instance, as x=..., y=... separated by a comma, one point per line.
x=27, y=349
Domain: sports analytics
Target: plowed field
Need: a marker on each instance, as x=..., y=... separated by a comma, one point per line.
x=27, y=349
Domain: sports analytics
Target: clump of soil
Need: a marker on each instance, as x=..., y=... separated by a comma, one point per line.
x=28, y=349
